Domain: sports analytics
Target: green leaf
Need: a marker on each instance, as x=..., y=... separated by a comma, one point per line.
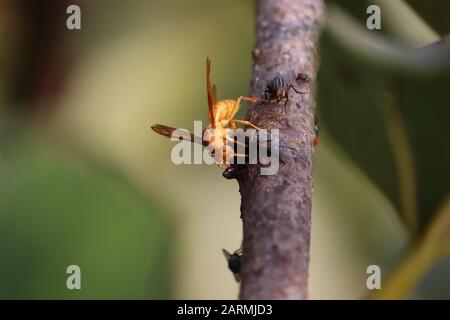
x=55, y=213
x=433, y=246
x=358, y=98
x=423, y=104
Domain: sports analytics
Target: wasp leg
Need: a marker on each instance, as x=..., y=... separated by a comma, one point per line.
x=281, y=98
x=286, y=97
x=237, y=105
x=249, y=99
x=235, y=141
x=246, y=123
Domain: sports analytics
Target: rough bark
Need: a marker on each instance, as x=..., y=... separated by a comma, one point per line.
x=276, y=210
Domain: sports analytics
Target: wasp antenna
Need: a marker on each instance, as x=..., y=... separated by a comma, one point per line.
x=209, y=91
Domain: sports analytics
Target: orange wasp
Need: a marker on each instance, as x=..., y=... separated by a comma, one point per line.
x=221, y=116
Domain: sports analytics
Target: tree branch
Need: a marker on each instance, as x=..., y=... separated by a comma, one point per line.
x=276, y=210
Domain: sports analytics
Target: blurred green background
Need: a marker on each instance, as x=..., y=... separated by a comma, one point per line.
x=84, y=181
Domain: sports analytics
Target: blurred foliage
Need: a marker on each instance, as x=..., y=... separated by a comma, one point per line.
x=350, y=110
x=399, y=23
x=420, y=101
x=435, y=13
x=354, y=107
x=391, y=121
x=55, y=212
x=100, y=201
x=127, y=63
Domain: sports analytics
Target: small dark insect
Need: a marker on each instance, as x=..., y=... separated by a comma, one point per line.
x=234, y=262
x=278, y=88
x=230, y=172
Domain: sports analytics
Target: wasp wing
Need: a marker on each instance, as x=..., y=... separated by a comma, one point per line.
x=210, y=93
x=180, y=134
